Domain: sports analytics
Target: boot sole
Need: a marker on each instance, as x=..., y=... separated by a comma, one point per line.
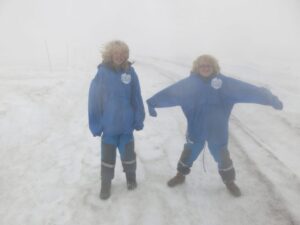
x=104, y=197
x=176, y=184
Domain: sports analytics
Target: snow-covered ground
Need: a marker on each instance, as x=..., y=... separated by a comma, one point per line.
x=50, y=163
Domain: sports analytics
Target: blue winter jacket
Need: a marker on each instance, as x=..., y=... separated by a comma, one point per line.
x=115, y=103
x=207, y=104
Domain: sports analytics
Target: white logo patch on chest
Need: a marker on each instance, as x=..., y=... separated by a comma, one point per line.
x=126, y=78
x=216, y=83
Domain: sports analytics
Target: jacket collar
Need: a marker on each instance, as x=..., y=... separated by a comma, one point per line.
x=205, y=79
x=112, y=67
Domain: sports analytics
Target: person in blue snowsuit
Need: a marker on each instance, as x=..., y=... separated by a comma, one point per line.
x=206, y=98
x=115, y=110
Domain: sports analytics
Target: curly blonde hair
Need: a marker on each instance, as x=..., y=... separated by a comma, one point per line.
x=110, y=47
x=206, y=59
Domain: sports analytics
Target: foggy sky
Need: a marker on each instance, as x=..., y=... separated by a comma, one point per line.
x=72, y=32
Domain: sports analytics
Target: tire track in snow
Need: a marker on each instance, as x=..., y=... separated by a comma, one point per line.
x=282, y=182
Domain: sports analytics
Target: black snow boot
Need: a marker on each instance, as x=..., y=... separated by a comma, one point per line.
x=233, y=189
x=131, y=180
x=105, y=189
x=178, y=179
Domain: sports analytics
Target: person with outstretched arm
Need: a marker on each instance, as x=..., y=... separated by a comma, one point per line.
x=206, y=98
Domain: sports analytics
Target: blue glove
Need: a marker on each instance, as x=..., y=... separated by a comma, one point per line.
x=276, y=103
x=96, y=129
x=138, y=127
x=97, y=134
x=152, y=111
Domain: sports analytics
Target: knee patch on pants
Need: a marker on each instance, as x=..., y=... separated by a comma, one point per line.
x=108, y=161
x=182, y=166
x=129, y=158
x=226, y=169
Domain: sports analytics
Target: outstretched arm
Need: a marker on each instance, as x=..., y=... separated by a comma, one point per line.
x=241, y=92
x=174, y=95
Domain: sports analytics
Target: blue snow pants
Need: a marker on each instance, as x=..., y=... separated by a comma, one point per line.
x=125, y=145
x=221, y=155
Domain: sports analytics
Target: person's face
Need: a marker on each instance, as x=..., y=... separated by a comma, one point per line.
x=119, y=56
x=206, y=69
